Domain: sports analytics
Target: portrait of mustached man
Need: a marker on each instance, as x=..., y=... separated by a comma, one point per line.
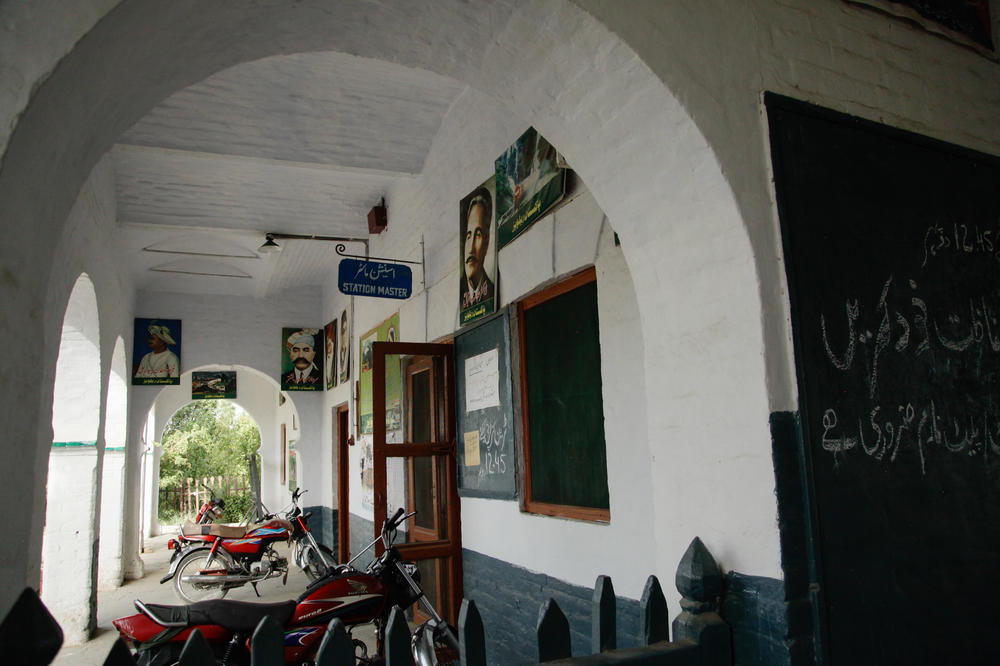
x=477, y=287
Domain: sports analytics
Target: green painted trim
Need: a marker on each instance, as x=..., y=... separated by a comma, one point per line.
x=113, y=449
x=60, y=445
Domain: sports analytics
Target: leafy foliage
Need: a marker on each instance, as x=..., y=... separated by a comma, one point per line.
x=207, y=438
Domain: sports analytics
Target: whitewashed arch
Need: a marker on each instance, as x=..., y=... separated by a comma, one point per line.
x=116, y=412
x=76, y=398
x=110, y=559
x=71, y=506
x=257, y=395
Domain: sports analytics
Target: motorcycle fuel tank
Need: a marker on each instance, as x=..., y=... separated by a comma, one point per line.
x=252, y=541
x=353, y=597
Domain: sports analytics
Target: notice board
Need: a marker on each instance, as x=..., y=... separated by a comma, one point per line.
x=486, y=460
x=892, y=250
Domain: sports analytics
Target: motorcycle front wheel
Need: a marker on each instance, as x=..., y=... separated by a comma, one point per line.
x=312, y=564
x=193, y=564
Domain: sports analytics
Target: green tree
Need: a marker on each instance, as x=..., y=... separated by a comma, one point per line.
x=207, y=438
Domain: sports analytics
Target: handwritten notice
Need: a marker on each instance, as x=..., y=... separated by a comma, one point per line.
x=472, y=448
x=482, y=381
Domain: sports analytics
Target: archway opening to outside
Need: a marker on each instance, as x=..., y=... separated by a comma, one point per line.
x=208, y=447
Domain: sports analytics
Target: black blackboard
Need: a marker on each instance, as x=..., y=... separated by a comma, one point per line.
x=489, y=430
x=892, y=249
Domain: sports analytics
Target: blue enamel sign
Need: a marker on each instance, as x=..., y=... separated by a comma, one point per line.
x=378, y=279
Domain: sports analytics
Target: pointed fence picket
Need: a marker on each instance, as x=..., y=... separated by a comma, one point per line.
x=700, y=636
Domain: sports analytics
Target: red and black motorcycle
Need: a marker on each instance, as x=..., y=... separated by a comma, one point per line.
x=211, y=559
x=157, y=633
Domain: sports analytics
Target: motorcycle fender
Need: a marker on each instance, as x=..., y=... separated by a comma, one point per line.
x=422, y=646
x=176, y=559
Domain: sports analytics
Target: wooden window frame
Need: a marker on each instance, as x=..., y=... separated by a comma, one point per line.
x=528, y=504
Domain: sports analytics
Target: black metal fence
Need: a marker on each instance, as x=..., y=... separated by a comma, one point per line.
x=700, y=636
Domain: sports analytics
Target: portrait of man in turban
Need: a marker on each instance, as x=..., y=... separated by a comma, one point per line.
x=161, y=364
x=303, y=370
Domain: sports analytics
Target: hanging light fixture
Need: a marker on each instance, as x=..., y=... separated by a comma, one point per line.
x=269, y=245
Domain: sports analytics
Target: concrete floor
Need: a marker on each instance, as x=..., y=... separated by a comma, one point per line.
x=117, y=602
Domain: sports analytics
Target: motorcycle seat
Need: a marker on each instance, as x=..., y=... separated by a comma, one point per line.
x=214, y=529
x=236, y=616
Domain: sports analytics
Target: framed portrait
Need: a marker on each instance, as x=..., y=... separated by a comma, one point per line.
x=213, y=385
x=529, y=181
x=344, y=356
x=331, y=354
x=156, y=352
x=477, y=253
x=301, y=363
x=387, y=331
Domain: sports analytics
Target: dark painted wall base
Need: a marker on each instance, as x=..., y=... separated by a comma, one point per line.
x=323, y=524
x=794, y=534
x=755, y=609
x=509, y=598
x=362, y=532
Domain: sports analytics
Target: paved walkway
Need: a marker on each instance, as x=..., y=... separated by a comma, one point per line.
x=117, y=602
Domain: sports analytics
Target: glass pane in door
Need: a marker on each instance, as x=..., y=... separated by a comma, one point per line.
x=418, y=483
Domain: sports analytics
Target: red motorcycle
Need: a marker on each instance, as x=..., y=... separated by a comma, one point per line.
x=211, y=559
x=157, y=633
x=211, y=510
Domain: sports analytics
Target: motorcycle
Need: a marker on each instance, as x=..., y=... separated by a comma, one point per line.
x=211, y=559
x=157, y=633
x=211, y=510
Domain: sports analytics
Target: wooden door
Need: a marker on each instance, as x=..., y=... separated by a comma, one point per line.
x=343, y=484
x=417, y=466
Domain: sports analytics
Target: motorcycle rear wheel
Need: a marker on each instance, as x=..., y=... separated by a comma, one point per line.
x=312, y=564
x=190, y=565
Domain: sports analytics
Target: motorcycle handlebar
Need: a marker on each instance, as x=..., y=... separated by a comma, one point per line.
x=394, y=521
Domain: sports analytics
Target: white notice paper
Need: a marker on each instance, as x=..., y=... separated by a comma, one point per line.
x=482, y=381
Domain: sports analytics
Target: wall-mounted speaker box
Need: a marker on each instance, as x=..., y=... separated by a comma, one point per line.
x=377, y=220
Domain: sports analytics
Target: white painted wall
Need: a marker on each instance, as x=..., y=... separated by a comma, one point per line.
x=111, y=566
x=150, y=498
x=31, y=44
x=76, y=397
x=111, y=569
x=69, y=553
